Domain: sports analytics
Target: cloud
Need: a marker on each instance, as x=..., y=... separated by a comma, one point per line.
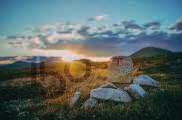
x=128, y=27
x=55, y=36
x=131, y=25
x=98, y=17
x=177, y=26
x=155, y=25
x=124, y=37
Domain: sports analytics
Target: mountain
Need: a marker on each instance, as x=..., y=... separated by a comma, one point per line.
x=150, y=52
x=27, y=59
x=15, y=65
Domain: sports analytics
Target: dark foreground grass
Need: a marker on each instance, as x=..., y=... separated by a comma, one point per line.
x=162, y=105
x=158, y=105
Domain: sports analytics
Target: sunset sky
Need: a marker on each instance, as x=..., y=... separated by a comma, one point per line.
x=95, y=29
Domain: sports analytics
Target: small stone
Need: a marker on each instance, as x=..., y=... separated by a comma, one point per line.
x=145, y=80
x=90, y=102
x=136, y=91
x=74, y=99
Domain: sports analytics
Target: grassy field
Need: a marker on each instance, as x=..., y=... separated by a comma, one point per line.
x=24, y=99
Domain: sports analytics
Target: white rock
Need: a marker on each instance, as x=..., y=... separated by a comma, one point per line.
x=74, y=99
x=117, y=95
x=145, y=80
x=90, y=102
x=108, y=85
x=136, y=90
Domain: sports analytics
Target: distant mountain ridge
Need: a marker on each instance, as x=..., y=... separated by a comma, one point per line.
x=27, y=59
x=150, y=52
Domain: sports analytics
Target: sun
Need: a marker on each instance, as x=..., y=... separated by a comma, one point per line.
x=70, y=56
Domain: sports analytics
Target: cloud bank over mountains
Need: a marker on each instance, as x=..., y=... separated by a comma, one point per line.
x=98, y=40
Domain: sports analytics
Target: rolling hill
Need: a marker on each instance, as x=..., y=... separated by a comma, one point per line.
x=150, y=52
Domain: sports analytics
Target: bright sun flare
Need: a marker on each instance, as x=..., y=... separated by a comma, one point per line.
x=67, y=55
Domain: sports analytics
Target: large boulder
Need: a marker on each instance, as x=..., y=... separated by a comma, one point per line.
x=136, y=90
x=74, y=99
x=145, y=80
x=117, y=95
x=120, y=69
x=90, y=102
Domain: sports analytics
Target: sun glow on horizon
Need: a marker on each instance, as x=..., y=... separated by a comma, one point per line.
x=67, y=55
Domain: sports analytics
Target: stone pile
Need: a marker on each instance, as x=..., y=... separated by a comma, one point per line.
x=110, y=92
x=119, y=72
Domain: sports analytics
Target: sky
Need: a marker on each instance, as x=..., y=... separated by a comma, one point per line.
x=94, y=29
